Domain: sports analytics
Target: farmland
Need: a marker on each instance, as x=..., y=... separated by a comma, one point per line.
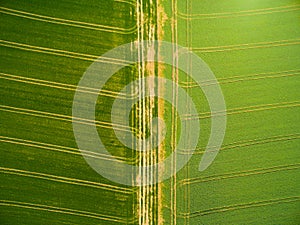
x=253, y=49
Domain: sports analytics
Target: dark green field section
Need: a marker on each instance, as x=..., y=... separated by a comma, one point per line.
x=46, y=46
x=253, y=49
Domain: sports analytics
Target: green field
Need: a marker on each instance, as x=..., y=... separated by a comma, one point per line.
x=252, y=47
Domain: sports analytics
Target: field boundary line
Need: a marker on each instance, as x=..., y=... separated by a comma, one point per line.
x=65, y=86
x=67, y=22
x=244, y=173
x=287, y=8
x=246, y=46
x=67, y=180
x=62, y=117
x=62, y=210
x=64, y=53
x=64, y=149
x=241, y=206
x=173, y=137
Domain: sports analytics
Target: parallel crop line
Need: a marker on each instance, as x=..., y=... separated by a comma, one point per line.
x=265, y=11
x=58, y=148
x=246, y=143
x=64, y=53
x=246, y=46
x=237, y=79
x=61, y=210
x=127, y=2
x=245, y=173
x=62, y=179
x=61, y=117
x=68, y=87
x=66, y=22
x=241, y=206
x=221, y=79
x=241, y=110
x=260, y=109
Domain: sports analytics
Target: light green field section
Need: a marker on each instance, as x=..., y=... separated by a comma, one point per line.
x=253, y=49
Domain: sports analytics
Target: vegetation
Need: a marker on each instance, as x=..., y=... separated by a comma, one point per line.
x=251, y=46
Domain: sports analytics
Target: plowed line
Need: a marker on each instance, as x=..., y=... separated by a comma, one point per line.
x=237, y=79
x=127, y=2
x=246, y=46
x=246, y=76
x=64, y=149
x=241, y=206
x=265, y=11
x=245, y=173
x=63, y=53
x=61, y=117
x=241, y=110
x=63, y=86
x=66, y=180
x=246, y=143
x=62, y=210
x=60, y=21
